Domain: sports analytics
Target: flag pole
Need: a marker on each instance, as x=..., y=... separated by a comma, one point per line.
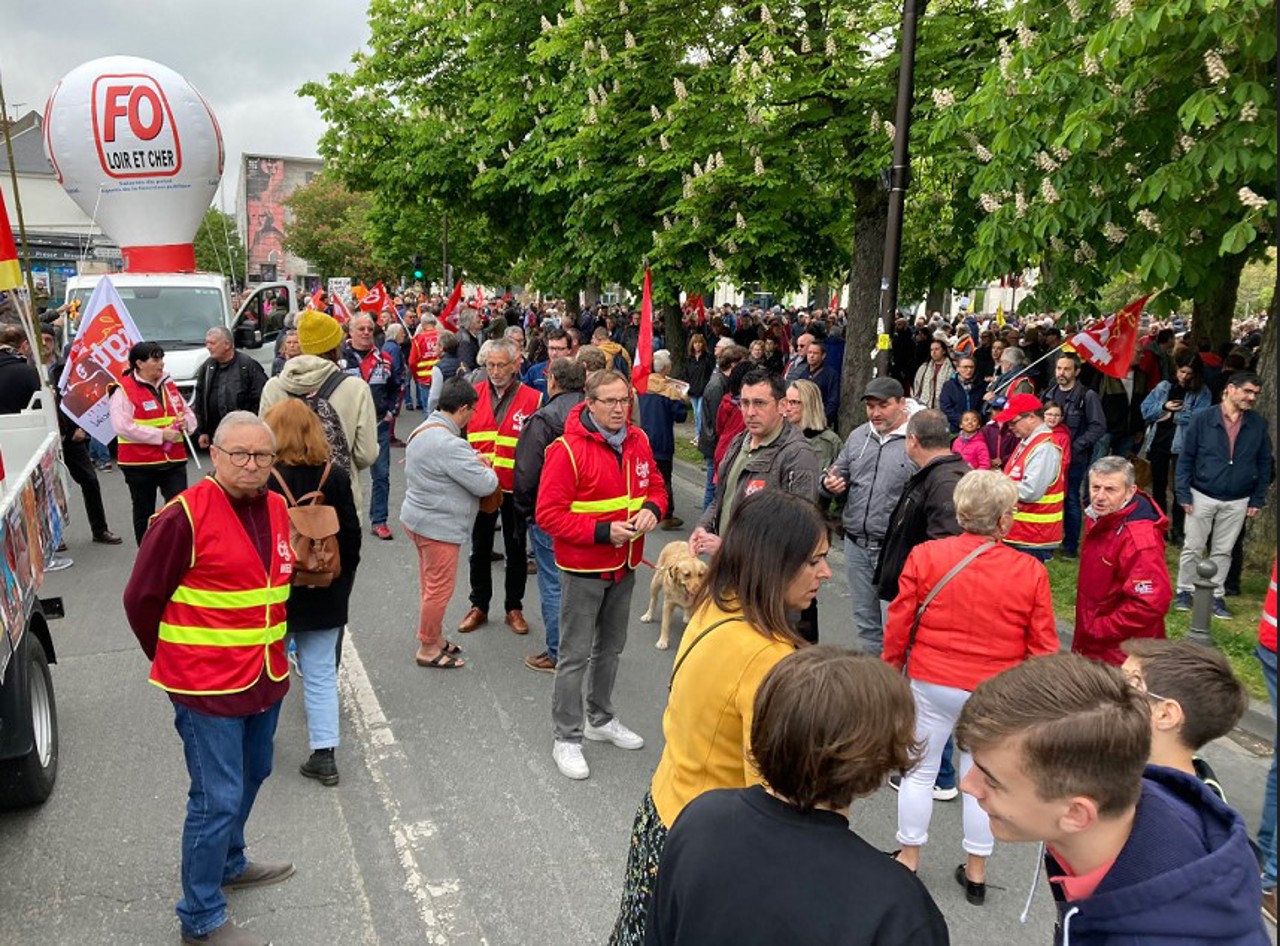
x=1022, y=372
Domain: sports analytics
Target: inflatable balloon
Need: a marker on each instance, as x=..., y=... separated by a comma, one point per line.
x=138, y=149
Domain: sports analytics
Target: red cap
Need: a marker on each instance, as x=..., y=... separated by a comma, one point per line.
x=1018, y=405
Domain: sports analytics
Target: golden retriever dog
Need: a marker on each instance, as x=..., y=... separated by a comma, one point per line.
x=677, y=576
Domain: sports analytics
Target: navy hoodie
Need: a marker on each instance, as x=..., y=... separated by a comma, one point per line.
x=1185, y=877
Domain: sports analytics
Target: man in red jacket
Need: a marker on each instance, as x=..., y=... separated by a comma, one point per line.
x=1124, y=589
x=599, y=494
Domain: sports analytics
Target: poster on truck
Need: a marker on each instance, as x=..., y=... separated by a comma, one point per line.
x=98, y=358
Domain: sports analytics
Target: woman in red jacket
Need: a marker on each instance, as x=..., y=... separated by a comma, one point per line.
x=951, y=651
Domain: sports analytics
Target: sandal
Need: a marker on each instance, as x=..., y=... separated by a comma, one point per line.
x=441, y=661
x=450, y=648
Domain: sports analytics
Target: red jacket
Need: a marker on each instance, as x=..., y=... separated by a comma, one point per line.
x=586, y=485
x=991, y=616
x=1124, y=588
x=1267, y=624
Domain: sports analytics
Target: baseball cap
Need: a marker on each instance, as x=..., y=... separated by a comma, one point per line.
x=882, y=389
x=1018, y=405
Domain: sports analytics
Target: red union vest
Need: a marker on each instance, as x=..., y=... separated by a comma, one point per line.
x=1267, y=625
x=152, y=411
x=1038, y=523
x=424, y=354
x=486, y=435
x=608, y=492
x=225, y=623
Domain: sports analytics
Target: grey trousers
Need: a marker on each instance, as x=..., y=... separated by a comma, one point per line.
x=860, y=568
x=593, y=631
x=1225, y=518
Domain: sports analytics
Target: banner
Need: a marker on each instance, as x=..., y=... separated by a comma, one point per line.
x=99, y=356
x=642, y=364
x=374, y=299
x=1109, y=347
x=340, y=310
x=447, y=318
x=10, y=271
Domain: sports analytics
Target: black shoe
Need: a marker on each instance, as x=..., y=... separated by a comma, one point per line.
x=321, y=767
x=974, y=893
x=107, y=537
x=1068, y=553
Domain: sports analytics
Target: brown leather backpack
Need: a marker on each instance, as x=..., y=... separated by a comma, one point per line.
x=313, y=535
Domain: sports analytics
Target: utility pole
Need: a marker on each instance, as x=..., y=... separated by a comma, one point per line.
x=899, y=181
x=444, y=269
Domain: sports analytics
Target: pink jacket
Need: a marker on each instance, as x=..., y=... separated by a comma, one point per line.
x=974, y=450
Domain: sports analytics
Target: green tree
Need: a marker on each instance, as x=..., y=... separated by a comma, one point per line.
x=330, y=229
x=219, y=248
x=1126, y=139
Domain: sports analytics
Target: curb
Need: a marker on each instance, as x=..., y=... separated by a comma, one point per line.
x=1258, y=721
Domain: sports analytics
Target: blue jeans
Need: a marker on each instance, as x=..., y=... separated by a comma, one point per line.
x=710, y=492
x=98, y=453
x=868, y=615
x=1073, y=511
x=696, y=405
x=381, y=473
x=228, y=759
x=1039, y=554
x=947, y=771
x=1267, y=830
x=317, y=659
x=548, y=587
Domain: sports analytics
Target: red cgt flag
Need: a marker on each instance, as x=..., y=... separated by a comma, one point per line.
x=1109, y=347
x=447, y=317
x=374, y=299
x=642, y=364
x=10, y=270
x=340, y=311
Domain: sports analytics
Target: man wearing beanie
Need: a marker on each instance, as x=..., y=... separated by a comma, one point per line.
x=316, y=374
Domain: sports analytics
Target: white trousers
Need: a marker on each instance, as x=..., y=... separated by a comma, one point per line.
x=937, y=709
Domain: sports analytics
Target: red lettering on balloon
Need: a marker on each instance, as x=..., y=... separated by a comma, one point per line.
x=115, y=109
x=149, y=131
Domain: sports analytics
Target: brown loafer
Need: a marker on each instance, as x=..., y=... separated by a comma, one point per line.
x=515, y=620
x=473, y=619
x=541, y=663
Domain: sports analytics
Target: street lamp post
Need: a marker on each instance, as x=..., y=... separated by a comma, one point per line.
x=899, y=180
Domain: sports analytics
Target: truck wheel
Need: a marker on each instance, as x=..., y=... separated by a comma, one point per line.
x=28, y=780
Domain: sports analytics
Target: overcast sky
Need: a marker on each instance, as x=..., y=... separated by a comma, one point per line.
x=246, y=57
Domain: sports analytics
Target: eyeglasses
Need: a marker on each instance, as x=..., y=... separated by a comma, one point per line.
x=241, y=458
x=793, y=401
x=613, y=403
x=758, y=405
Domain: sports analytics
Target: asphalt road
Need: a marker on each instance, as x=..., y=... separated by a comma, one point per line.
x=451, y=823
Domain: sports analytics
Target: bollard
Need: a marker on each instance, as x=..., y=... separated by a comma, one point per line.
x=1202, y=603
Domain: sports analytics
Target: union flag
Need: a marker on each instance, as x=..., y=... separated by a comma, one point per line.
x=1109, y=347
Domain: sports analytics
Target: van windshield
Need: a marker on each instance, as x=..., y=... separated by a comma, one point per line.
x=174, y=316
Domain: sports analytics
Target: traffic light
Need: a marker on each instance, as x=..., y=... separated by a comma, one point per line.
x=417, y=267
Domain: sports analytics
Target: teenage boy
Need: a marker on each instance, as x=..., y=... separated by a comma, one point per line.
x=1059, y=747
x=1195, y=698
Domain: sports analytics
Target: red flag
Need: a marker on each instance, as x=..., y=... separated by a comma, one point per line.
x=479, y=297
x=10, y=271
x=374, y=299
x=699, y=309
x=340, y=311
x=447, y=318
x=642, y=365
x=1109, y=346
x=317, y=299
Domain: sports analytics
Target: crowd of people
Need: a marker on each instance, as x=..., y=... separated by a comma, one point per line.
x=985, y=452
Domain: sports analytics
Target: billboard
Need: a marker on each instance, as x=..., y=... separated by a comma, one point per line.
x=267, y=181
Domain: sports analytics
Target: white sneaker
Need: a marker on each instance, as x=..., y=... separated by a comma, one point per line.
x=614, y=732
x=569, y=760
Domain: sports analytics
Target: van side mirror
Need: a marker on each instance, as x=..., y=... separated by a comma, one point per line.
x=247, y=335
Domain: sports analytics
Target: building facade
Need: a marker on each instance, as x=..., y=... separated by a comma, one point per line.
x=266, y=181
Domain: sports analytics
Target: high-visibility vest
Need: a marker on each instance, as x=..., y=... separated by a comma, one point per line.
x=1038, y=523
x=486, y=435
x=152, y=407
x=424, y=354
x=1267, y=626
x=225, y=624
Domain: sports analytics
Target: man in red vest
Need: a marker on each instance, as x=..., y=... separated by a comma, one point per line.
x=206, y=601
x=424, y=353
x=504, y=406
x=1038, y=469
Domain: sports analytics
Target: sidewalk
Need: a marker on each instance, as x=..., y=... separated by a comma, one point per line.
x=1258, y=722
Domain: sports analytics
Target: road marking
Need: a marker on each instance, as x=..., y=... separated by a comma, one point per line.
x=437, y=900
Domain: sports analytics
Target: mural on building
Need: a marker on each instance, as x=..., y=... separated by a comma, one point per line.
x=267, y=182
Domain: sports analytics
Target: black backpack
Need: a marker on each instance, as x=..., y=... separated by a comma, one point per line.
x=318, y=401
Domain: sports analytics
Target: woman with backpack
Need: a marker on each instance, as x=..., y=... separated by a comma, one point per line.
x=318, y=599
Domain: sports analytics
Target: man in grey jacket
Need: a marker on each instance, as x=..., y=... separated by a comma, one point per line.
x=873, y=468
x=769, y=453
x=565, y=381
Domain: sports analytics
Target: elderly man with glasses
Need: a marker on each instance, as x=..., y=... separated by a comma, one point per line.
x=206, y=601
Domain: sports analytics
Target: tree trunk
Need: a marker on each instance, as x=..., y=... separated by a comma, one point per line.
x=1213, y=311
x=936, y=300
x=573, y=308
x=820, y=295
x=1260, y=539
x=673, y=335
x=592, y=294
x=870, y=217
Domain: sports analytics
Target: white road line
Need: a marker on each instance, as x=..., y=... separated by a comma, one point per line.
x=436, y=899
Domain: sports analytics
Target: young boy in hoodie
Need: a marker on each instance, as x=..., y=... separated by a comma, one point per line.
x=1136, y=854
x=1195, y=698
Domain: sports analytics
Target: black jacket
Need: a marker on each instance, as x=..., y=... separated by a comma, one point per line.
x=1208, y=465
x=698, y=371
x=245, y=376
x=18, y=381
x=1083, y=416
x=925, y=510
x=319, y=609
x=546, y=424
x=717, y=387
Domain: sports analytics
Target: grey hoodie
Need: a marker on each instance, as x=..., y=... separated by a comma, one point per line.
x=876, y=469
x=352, y=400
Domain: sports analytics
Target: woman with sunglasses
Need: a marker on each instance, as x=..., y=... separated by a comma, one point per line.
x=151, y=420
